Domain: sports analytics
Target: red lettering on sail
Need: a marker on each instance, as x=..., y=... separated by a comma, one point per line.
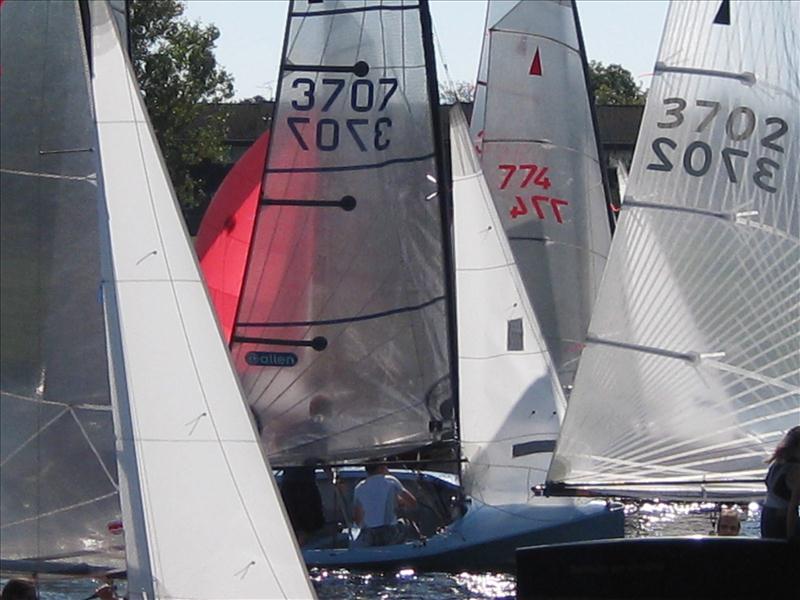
x=536, y=65
x=520, y=210
x=539, y=204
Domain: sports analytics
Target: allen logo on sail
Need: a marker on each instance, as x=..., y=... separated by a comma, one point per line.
x=271, y=359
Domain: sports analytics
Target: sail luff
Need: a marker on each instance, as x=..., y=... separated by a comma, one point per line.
x=213, y=521
x=612, y=221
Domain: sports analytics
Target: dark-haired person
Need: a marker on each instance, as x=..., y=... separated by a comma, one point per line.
x=19, y=589
x=779, y=514
x=375, y=505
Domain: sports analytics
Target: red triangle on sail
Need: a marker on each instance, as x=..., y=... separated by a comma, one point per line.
x=536, y=65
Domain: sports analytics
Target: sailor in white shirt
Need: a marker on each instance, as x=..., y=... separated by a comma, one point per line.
x=375, y=507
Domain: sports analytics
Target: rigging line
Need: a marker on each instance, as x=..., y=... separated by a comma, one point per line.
x=745, y=78
x=33, y=437
x=755, y=376
x=99, y=407
x=368, y=317
x=92, y=177
x=59, y=510
x=94, y=450
x=378, y=165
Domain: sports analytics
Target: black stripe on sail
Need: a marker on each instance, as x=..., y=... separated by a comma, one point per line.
x=723, y=14
x=342, y=11
x=386, y=163
x=529, y=448
x=378, y=315
x=319, y=343
x=359, y=69
x=347, y=203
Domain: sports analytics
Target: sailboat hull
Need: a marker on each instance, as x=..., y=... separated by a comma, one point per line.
x=484, y=537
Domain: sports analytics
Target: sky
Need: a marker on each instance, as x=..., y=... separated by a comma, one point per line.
x=624, y=32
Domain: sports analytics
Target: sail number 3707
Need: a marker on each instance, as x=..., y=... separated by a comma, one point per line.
x=698, y=156
x=326, y=133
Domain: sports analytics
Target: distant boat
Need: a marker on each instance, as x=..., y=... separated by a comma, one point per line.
x=691, y=373
x=535, y=130
x=127, y=448
x=345, y=336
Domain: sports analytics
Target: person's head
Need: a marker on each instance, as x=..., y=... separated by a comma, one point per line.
x=19, y=589
x=375, y=467
x=729, y=523
x=320, y=408
x=788, y=448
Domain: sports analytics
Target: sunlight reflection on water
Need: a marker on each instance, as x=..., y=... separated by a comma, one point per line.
x=647, y=519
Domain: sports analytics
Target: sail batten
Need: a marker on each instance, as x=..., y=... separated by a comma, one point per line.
x=705, y=263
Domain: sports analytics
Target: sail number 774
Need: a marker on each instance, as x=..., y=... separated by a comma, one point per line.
x=698, y=157
x=327, y=133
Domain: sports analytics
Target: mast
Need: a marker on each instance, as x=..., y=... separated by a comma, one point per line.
x=445, y=206
x=612, y=220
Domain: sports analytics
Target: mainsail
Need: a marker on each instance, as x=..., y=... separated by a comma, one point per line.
x=342, y=338
x=55, y=411
x=692, y=372
x=510, y=403
x=534, y=128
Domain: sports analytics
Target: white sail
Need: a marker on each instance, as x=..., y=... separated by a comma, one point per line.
x=342, y=338
x=195, y=480
x=692, y=372
x=510, y=400
x=533, y=126
x=58, y=475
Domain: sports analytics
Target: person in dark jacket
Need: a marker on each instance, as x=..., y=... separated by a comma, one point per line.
x=779, y=517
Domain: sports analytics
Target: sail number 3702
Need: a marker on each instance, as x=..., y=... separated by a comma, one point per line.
x=326, y=134
x=698, y=156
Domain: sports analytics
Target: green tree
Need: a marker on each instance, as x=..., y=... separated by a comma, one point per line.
x=174, y=62
x=614, y=84
x=458, y=91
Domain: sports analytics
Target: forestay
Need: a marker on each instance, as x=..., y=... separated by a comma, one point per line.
x=692, y=373
x=341, y=339
x=201, y=510
x=59, y=506
x=510, y=402
x=533, y=127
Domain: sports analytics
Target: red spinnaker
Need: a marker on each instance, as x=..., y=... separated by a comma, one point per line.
x=226, y=231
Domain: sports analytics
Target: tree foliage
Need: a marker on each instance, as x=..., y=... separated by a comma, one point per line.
x=174, y=62
x=614, y=84
x=460, y=91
